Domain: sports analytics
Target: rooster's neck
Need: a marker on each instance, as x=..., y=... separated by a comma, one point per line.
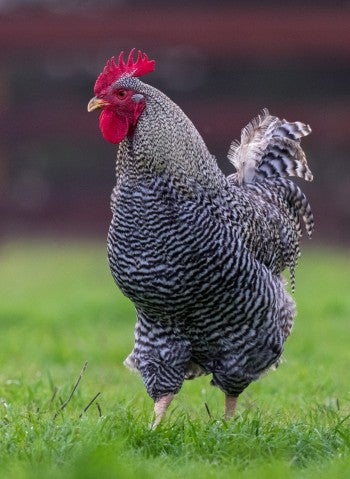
x=166, y=142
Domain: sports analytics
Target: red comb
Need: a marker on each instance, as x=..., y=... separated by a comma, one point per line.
x=112, y=72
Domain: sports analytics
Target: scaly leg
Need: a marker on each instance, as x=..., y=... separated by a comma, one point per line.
x=160, y=407
x=230, y=406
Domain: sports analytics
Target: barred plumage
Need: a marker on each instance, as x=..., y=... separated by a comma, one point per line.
x=201, y=255
x=269, y=147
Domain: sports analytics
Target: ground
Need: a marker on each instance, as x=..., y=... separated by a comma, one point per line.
x=59, y=308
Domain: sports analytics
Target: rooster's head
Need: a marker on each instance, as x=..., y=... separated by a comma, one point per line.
x=121, y=106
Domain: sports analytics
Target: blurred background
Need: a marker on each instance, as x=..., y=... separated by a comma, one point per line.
x=221, y=64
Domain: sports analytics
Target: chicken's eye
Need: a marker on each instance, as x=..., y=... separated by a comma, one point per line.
x=121, y=94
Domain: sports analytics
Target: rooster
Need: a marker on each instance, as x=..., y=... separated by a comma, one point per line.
x=198, y=253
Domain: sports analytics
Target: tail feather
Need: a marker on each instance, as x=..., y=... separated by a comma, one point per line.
x=296, y=201
x=298, y=207
x=269, y=147
x=270, y=152
x=288, y=196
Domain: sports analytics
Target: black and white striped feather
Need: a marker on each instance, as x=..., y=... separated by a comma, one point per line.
x=269, y=147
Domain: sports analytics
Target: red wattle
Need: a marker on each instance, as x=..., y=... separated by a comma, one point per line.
x=114, y=128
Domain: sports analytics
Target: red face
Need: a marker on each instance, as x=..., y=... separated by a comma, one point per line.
x=121, y=109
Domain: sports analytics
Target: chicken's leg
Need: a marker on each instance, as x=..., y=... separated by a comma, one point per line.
x=160, y=407
x=230, y=406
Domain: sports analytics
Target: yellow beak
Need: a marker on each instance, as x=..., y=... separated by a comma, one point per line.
x=96, y=103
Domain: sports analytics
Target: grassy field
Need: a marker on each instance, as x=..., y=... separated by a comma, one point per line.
x=59, y=308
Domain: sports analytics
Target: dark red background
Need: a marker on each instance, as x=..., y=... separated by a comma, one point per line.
x=221, y=64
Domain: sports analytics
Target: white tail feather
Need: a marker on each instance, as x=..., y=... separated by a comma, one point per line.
x=269, y=147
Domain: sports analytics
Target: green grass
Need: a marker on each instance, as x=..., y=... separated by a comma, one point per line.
x=60, y=308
